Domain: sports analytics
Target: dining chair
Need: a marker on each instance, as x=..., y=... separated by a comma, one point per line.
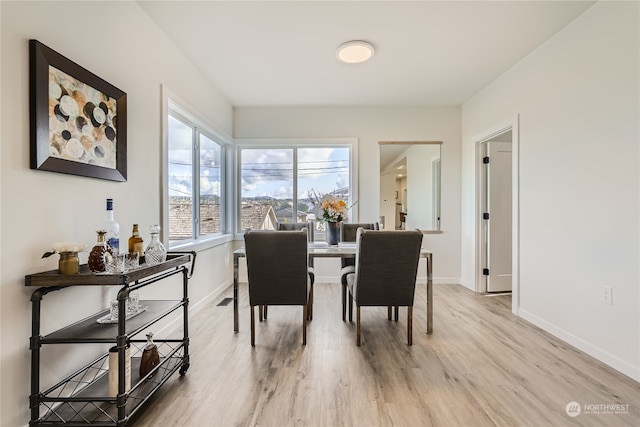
x=348, y=234
x=385, y=272
x=277, y=272
x=291, y=226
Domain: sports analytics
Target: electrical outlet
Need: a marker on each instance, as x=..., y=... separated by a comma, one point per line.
x=606, y=295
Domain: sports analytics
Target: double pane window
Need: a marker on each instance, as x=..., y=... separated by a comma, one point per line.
x=286, y=184
x=195, y=181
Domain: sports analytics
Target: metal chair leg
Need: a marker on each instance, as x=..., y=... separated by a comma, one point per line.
x=389, y=312
x=260, y=313
x=264, y=312
x=350, y=307
x=396, y=312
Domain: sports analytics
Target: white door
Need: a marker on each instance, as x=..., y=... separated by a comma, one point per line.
x=498, y=216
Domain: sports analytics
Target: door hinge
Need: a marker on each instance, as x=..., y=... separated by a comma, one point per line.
x=485, y=215
x=485, y=271
x=485, y=159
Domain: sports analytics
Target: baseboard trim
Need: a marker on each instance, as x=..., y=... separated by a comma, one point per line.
x=602, y=355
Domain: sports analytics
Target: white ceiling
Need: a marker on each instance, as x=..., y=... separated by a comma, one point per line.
x=269, y=53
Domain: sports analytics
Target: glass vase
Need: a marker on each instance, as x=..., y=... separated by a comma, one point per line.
x=68, y=263
x=333, y=232
x=155, y=252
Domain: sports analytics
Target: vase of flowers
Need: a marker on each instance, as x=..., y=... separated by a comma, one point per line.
x=68, y=251
x=333, y=212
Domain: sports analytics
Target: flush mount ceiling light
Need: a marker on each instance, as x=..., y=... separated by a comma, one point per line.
x=354, y=52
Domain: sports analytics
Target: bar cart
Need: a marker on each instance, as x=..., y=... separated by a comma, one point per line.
x=82, y=398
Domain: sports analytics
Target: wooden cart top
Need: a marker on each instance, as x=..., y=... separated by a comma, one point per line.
x=86, y=278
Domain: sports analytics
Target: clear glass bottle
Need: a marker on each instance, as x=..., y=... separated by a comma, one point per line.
x=136, y=242
x=113, y=229
x=96, y=256
x=155, y=252
x=150, y=356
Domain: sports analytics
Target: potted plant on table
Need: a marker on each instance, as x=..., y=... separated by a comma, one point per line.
x=69, y=262
x=333, y=212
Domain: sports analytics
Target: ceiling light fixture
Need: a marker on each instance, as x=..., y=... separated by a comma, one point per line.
x=354, y=52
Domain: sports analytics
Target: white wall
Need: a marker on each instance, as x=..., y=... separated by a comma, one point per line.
x=577, y=97
x=371, y=125
x=420, y=185
x=119, y=43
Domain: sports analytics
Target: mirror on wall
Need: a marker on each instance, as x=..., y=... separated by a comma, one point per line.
x=410, y=185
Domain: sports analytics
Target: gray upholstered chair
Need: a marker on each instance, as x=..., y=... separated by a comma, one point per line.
x=348, y=234
x=277, y=272
x=291, y=226
x=385, y=272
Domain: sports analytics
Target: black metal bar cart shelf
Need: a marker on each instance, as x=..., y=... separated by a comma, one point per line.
x=82, y=398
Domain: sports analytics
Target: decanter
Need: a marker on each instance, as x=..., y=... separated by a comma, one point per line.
x=96, y=256
x=150, y=356
x=155, y=252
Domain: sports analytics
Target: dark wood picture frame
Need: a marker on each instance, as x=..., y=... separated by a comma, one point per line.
x=91, y=133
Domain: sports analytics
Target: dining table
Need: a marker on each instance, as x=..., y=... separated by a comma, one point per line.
x=341, y=250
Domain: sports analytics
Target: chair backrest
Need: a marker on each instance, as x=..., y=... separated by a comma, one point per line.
x=348, y=234
x=294, y=226
x=277, y=267
x=386, y=267
x=348, y=229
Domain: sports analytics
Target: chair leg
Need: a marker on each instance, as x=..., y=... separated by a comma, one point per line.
x=264, y=312
x=304, y=324
x=350, y=307
x=344, y=303
x=395, y=315
x=310, y=305
x=260, y=313
x=253, y=326
x=410, y=324
x=358, y=326
x=389, y=312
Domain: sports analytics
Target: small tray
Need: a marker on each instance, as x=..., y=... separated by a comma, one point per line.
x=108, y=319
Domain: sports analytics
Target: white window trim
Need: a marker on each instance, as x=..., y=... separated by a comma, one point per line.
x=240, y=143
x=173, y=102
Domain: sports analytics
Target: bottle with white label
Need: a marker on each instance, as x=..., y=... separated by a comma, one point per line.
x=113, y=370
x=113, y=229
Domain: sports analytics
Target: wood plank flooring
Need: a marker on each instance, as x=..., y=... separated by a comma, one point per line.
x=482, y=366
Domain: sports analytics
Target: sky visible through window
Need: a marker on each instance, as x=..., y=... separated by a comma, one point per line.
x=269, y=172
x=181, y=161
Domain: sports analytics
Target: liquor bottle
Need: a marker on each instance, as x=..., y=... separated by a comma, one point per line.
x=136, y=242
x=155, y=252
x=96, y=256
x=113, y=229
x=150, y=356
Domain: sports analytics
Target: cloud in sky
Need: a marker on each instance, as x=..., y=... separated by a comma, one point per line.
x=269, y=172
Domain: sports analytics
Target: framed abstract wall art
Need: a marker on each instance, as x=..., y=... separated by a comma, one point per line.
x=78, y=121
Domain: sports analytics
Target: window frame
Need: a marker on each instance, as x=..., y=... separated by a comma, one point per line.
x=287, y=143
x=173, y=105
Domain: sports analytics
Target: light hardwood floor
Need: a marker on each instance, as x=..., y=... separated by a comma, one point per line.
x=482, y=366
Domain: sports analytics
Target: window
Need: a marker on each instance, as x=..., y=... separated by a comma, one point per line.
x=195, y=179
x=286, y=182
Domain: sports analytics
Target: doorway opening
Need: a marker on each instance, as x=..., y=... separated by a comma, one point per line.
x=497, y=213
